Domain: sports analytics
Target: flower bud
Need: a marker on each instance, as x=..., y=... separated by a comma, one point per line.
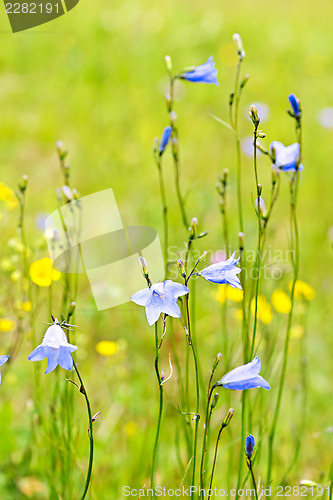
x=244, y=81
x=217, y=360
x=215, y=401
x=181, y=268
x=194, y=227
x=259, y=189
x=228, y=417
x=225, y=176
x=249, y=444
x=168, y=63
x=253, y=114
x=262, y=208
x=241, y=241
x=168, y=101
x=67, y=193
x=239, y=45
x=144, y=266
x=175, y=146
x=162, y=375
x=173, y=117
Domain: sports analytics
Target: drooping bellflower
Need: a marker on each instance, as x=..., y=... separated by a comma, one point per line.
x=55, y=348
x=245, y=377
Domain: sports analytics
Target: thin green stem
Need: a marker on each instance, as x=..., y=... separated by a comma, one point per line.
x=158, y=376
x=197, y=416
x=249, y=464
x=240, y=468
x=294, y=231
x=164, y=213
x=90, y=434
x=215, y=457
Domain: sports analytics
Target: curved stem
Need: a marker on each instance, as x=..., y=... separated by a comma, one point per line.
x=249, y=464
x=160, y=409
x=90, y=434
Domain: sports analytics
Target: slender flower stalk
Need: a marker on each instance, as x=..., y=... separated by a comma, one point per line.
x=158, y=161
x=225, y=423
x=90, y=434
x=294, y=182
x=160, y=411
x=209, y=410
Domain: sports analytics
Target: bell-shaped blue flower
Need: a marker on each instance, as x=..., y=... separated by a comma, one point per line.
x=245, y=377
x=294, y=102
x=55, y=348
x=250, y=444
x=205, y=73
x=285, y=157
x=3, y=360
x=165, y=139
x=160, y=298
x=224, y=272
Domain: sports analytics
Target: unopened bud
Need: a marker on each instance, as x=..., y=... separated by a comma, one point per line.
x=68, y=193
x=217, y=360
x=215, y=401
x=24, y=182
x=253, y=114
x=181, y=268
x=249, y=445
x=162, y=375
x=168, y=63
x=225, y=176
x=168, y=101
x=231, y=98
x=244, y=81
x=261, y=135
x=194, y=227
x=144, y=266
x=175, y=146
x=259, y=189
x=308, y=483
x=241, y=241
x=262, y=208
x=173, y=117
x=228, y=417
x=239, y=45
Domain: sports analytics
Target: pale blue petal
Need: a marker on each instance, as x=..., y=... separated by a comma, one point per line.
x=37, y=354
x=252, y=383
x=153, y=309
x=141, y=297
x=174, y=288
x=3, y=359
x=172, y=309
x=244, y=372
x=65, y=359
x=52, y=359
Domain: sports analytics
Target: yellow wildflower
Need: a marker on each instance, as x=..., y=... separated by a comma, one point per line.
x=107, y=347
x=7, y=324
x=303, y=290
x=264, y=311
x=42, y=273
x=281, y=301
x=297, y=332
x=131, y=428
x=8, y=196
x=228, y=292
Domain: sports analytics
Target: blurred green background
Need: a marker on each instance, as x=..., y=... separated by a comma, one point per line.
x=95, y=78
